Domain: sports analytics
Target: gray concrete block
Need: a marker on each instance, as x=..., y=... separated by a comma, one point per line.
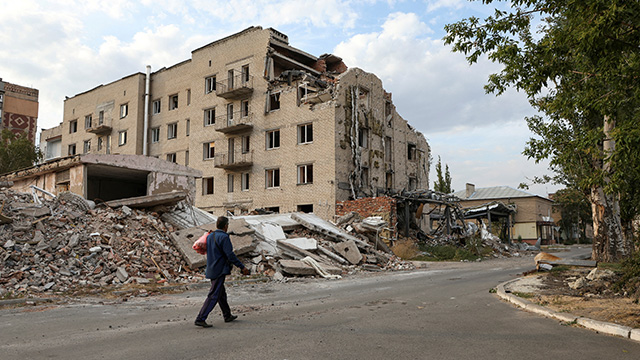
x=348, y=250
x=605, y=327
x=635, y=334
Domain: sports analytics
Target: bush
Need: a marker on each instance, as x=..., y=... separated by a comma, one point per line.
x=630, y=279
x=405, y=249
x=447, y=253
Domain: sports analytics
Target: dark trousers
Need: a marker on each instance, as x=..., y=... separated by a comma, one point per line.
x=217, y=295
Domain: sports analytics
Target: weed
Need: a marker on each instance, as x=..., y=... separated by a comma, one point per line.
x=493, y=290
x=560, y=269
x=524, y=295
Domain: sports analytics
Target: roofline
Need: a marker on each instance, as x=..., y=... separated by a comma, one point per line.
x=249, y=29
x=107, y=84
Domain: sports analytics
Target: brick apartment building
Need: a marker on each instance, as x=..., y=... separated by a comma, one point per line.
x=19, y=109
x=269, y=126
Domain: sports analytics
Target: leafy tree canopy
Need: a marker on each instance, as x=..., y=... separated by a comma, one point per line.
x=16, y=152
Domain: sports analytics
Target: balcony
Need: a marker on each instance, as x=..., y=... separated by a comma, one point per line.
x=236, y=122
x=233, y=161
x=235, y=87
x=101, y=128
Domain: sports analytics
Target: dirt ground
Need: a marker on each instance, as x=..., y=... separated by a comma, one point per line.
x=594, y=299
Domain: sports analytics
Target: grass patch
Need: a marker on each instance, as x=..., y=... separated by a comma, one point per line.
x=560, y=269
x=524, y=295
x=617, y=267
x=446, y=253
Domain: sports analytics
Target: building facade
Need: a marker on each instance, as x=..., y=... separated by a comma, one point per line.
x=268, y=125
x=19, y=109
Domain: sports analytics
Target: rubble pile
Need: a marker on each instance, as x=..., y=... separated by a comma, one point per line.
x=62, y=245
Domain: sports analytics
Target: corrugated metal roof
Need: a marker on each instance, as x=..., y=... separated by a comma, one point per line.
x=496, y=192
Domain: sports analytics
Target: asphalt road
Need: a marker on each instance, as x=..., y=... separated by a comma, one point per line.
x=443, y=312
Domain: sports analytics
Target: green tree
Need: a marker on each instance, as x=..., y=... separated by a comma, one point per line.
x=580, y=71
x=16, y=152
x=575, y=210
x=443, y=184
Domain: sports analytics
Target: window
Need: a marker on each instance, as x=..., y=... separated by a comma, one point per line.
x=173, y=102
x=108, y=143
x=157, y=106
x=245, y=144
x=245, y=74
x=244, y=180
x=363, y=138
x=87, y=147
x=272, y=178
x=363, y=97
x=172, y=131
x=188, y=127
x=389, y=180
x=100, y=143
x=186, y=158
x=273, y=209
x=72, y=149
x=171, y=157
x=273, y=139
x=122, y=138
x=101, y=118
x=207, y=186
x=155, y=135
x=209, y=117
x=413, y=183
x=188, y=97
x=364, y=176
x=306, y=208
x=273, y=101
x=87, y=122
x=305, y=174
x=244, y=108
x=411, y=151
x=230, y=80
x=305, y=133
x=388, y=149
x=124, y=110
x=209, y=150
x=229, y=112
x=230, y=179
x=73, y=126
x=210, y=84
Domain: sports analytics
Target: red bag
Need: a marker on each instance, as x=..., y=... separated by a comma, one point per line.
x=200, y=246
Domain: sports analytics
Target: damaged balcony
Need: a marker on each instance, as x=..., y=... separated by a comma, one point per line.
x=101, y=128
x=235, y=122
x=237, y=86
x=234, y=161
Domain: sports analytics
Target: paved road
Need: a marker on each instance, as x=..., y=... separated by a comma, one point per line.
x=443, y=312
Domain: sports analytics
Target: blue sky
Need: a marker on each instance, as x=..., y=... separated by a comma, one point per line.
x=64, y=47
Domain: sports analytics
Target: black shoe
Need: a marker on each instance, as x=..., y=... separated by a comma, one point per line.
x=230, y=318
x=203, y=324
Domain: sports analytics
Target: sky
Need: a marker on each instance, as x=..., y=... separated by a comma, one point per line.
x=65, y=47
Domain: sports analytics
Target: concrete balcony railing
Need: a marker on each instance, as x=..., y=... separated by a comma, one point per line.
x=233, y=161
x=100, y=128
x=235, y=87
x=234, y=122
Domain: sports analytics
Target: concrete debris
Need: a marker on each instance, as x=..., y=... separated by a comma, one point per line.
x=303, y=243
x=349, y=251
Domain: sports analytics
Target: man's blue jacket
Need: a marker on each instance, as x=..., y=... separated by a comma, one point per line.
x=220, y=255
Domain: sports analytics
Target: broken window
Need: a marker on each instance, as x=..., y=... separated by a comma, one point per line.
x=363, y=138
x=388, y=180
x=157, y=106
x=245, y=74
x=100, y=143
x=171, y=157
x=273, y=209
x=306, y=208
x=87, y=122
x=207, y=186
x=209, y=150
x=210, y=84
x=387, y=108
x=108, y=143
x=122, y=138
x=87, y=146
x=411, y=152
x=124, y=110
x=273, y=101
x=230, y=179
x=244, y=181
x=155, y=135
x=72, y=149
x=305, y=92
x=273, y=139
x=364, y=176
x=363, y=97
x=73, y=126
x=272, y=178
x=388, y=149
x=172, y=131
x=209, y=117
x=101, y=117
x=229, y=113
x=230, y=80
x=413, y=183
x=305, y=134
x=244, y=108
x=305, y=174
x=173, y=102
x=245, y=144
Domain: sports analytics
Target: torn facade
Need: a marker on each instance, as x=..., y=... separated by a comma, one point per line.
x=270, y=126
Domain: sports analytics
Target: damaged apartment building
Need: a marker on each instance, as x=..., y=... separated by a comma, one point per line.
x=268, y=125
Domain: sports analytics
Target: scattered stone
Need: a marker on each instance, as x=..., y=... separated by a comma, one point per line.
x=122, y=274
x=579, y=283
x=126, y=210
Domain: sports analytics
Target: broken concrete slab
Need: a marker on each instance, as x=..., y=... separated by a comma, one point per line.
x=348, y=250
x=268, y=233
x=35, y=211
x=185, y=216
x=122, y=274
x=239, y=227
x=169, y=198
x=303, y=243
x=184, y=239
x=332, y=255
x=297, y=267
x=284, y=220
x=314, y=223
x=298, y=253
x=5, y=219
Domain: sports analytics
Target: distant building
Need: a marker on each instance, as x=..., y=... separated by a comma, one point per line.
x=533, y=218
x=19, y=109
x=270, y=126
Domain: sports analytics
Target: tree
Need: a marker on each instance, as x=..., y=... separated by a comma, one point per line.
x=581, y=72
x=16, y=152
x=443, y=184
x=575, y=210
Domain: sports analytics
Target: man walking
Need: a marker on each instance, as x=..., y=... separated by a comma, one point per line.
x=220, y=256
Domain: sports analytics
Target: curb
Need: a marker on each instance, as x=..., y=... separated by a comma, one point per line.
x=596, y=325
